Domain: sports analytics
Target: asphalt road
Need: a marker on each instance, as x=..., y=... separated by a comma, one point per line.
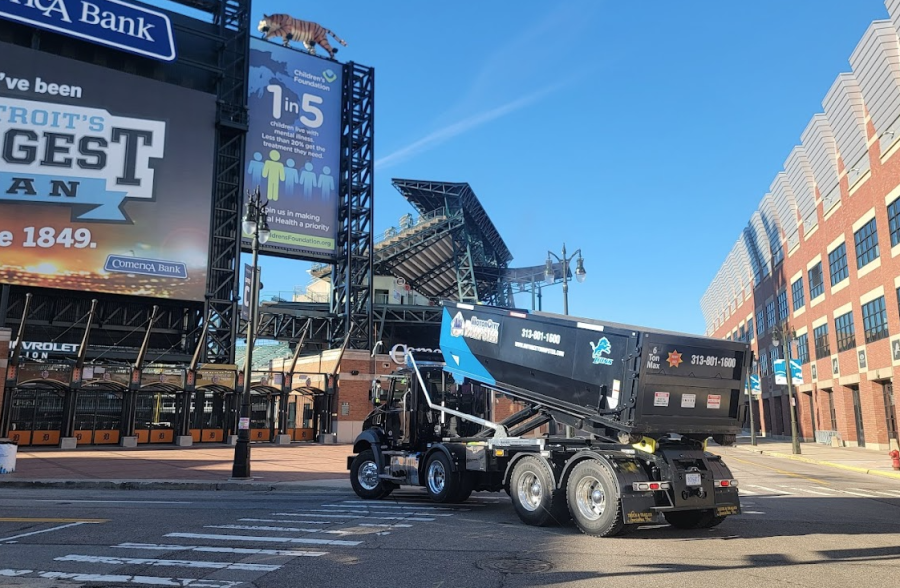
x=803, y=525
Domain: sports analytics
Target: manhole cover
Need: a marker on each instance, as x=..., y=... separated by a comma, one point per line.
x=515, y=566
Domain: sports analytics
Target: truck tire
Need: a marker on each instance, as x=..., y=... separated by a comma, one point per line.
x=534, y=494
x=364, y=477
x=441, y=482
x=692, y=519
x=594, y=501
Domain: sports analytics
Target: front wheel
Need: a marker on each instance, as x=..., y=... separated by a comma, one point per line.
x=594, y=501
x=364, y=477
x=441, y=482
x=534, y=494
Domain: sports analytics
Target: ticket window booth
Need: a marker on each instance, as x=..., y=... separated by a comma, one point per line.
x=155, y=417
x=262, y=412
x=98, y=413
x=209, y=413
x=301, y=415
x=37, y=413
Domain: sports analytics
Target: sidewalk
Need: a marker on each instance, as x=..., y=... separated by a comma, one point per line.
x=203, y=467
x=302, y=466
x=854, y=459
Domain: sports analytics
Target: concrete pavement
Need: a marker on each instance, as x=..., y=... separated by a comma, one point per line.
x=298, y=466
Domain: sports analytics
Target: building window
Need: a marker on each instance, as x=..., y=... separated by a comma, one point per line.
x=797, y=293
x=743, y=333
x=773, y=353
x=894, y=221
x=764, y=365
x=844, y=332
x=751, y=335
x=875, y=320
x=770, y=314
x=760, y=322
x=782, y=305
x=823, y=348
x=831, y=410
x=803, y=348
x=381, y=297
x=866, y=240
x=816, y=282
x=837, y=264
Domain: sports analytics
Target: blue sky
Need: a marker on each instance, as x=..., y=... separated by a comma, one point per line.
x=644, y=133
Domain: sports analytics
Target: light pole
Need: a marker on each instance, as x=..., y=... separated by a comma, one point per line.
x=580, y=273
x=255, y=223
x=750, y=404
x=786, y=334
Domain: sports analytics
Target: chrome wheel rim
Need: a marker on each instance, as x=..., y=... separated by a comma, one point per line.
x=437, y=477
x=530, y=492
x=368, y=475
x=590, y=499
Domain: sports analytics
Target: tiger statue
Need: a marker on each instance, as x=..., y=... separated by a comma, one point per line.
x=294, y=29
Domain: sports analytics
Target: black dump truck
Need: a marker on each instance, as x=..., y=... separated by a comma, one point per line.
x=610, y=423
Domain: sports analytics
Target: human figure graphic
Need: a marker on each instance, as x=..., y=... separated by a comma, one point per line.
x=255, y=169
x=291, y=176
x=308, y=179
x=274, y=172
x=326, y=183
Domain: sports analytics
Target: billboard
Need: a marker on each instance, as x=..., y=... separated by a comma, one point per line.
x=105, y=179
x=293, y=147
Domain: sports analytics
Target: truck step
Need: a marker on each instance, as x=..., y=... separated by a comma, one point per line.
x=391, y=478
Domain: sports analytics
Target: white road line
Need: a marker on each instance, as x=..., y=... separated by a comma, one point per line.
x=251, y=538
x=121, y=579
x=169, y=563
x=811, y=491
x=293, y=522
x=117, y=501
x=768, y=489
x=894, y=493
x=743, y=492
x=860, y=493
x=234, y=550
x=753, y=512
x=377, y=512
x=423, y=504
x=347, y=516
x=387, y=526
x=42, y=531
x=377, y=506
x=264, y=528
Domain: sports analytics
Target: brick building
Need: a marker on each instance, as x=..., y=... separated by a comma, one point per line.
x=819, y=260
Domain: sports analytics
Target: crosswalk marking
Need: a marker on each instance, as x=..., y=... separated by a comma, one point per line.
x=250, y=538
x=234, y=550
x=375, y=511
x=863, y=494
x=265, y=528
x=293, y=522
x=893, y=493
x=121, y=579
x=810, y=490
x=745, y=492
x=348, y=516
x=392, y=526
x=168, y=563
x=768, y=489
x=379, y=506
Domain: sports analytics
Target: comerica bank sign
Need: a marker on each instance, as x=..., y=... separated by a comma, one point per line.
x=113, y=23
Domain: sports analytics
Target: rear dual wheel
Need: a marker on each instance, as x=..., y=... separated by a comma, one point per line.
x=594, y=499
x=534, y=494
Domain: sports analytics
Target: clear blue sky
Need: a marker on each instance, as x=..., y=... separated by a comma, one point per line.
x=644, y=133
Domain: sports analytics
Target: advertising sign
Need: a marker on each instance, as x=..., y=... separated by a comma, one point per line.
x=796, y=372
x=105, y=179
x=293, y=147
x=113, y=23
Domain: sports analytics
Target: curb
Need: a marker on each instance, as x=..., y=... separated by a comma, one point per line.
x=861, y=470
x=327, y=485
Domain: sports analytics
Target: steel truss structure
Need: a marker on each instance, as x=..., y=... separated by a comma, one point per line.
x=352, y=274
x=56, y=313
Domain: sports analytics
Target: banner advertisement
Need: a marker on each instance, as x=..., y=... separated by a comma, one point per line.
x=293, y=147
x=105, y=179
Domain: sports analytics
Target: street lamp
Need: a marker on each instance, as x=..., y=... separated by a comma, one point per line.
x=256, y=224
x=580, y=273
x=785, y=334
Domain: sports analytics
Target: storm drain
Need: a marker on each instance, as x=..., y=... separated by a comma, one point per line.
x=512, y=565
